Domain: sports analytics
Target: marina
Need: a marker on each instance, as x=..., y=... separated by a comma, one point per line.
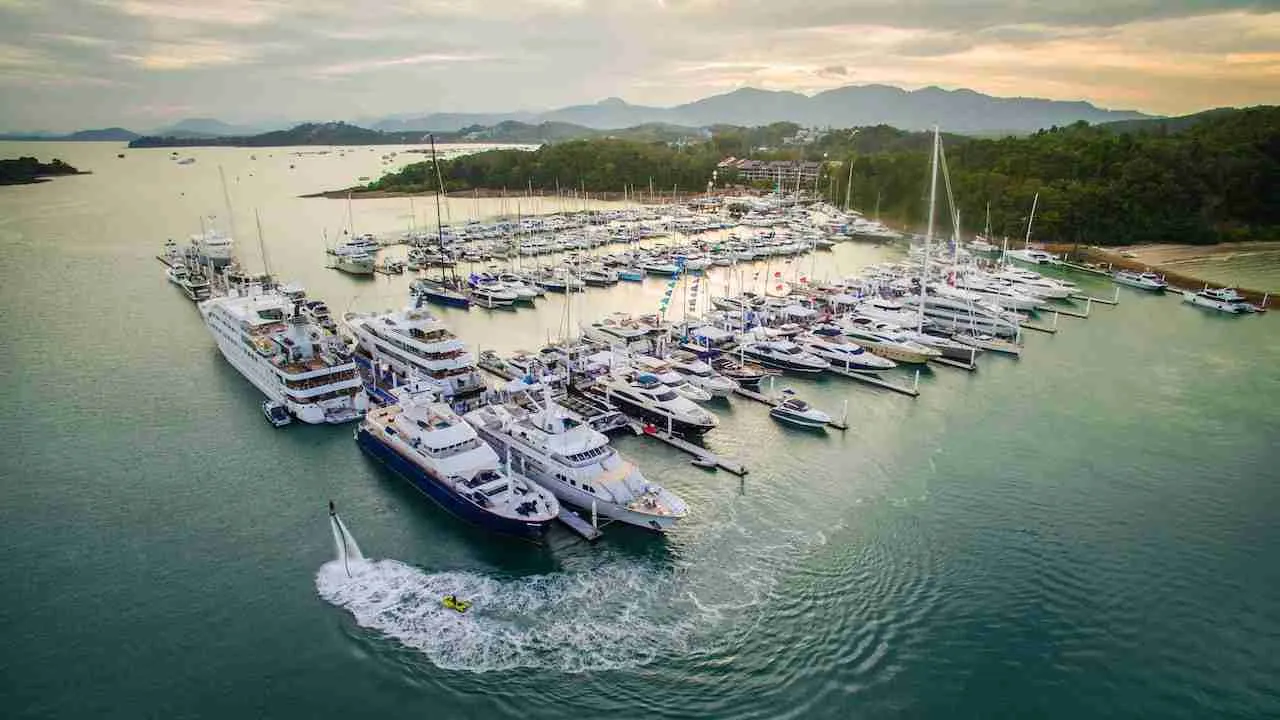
x=927, y=535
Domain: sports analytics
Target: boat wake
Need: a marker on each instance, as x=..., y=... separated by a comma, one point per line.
x=617, y=616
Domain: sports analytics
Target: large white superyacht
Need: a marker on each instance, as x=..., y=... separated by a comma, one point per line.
x=265, y=335
x=415, y=344
x=576, y=463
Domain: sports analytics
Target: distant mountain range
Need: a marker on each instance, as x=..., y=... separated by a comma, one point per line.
x=961, y=111
x=958, y=111
x=113, y=134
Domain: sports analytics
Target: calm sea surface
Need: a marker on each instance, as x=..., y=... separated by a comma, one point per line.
x=1090, y=531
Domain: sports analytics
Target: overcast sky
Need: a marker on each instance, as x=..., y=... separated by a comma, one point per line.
x=68, y=64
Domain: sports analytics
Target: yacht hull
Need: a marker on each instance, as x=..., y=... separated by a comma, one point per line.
x=431, y=486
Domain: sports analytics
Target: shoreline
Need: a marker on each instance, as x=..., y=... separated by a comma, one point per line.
x=489, y=193
x=1167, y=260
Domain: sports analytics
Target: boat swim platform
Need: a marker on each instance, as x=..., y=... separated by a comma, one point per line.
x=574, y=522
x=702, y=454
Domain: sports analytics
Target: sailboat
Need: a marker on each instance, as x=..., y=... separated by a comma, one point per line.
x=442, y=291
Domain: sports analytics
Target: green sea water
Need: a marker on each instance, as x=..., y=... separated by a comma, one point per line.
x=1088, y=531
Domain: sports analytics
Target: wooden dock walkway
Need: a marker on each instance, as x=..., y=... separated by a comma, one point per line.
x=704, y=455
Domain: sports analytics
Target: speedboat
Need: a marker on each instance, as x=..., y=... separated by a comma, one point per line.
x=1143, y=281
x=784, y=355
x=631, y=274
x=745, y=374
x=427, y=444
x=844, y=353
x=277, y=413
x=646, y=397
x=576, y=463
x=794, y=411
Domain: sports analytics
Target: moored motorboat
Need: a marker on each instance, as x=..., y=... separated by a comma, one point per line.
x=1141, y=280
x=794, y=411
x=784, y=355
x=1225, y=300
x=843, y=353
x=576, y=463
x=647, y=398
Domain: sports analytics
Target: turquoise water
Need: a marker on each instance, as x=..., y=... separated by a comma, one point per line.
x=1088, y=531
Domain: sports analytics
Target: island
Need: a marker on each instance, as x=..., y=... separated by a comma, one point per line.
x=27, y=170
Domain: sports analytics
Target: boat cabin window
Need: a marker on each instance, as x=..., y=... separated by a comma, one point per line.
x=666, y=396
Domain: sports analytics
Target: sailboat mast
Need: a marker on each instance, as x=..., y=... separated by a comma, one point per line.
x=928, y=235
x=1034, y=202
x=439, y=192
x=848, y=188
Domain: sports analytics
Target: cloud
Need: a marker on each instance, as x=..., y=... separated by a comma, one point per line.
x=215, y=12
x=319, y=58
x=190, y=55
x=365, y=66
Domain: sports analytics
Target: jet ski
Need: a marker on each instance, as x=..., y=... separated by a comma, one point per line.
x=454, y=603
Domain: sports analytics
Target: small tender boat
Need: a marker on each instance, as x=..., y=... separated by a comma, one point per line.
x=277, y=414
x=454, y=603
x=1143, y=281
x=794, y=411
x=631, y=274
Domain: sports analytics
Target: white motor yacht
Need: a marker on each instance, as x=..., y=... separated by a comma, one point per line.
x=1143, y=281
x=702, y=375
x=576, y=463
x=794, y=411
x=415, y=344
x=293, y=361
x=887, y=340
x=1225, y=300
x=647, y=398
x=783, y=355
x=843, y=353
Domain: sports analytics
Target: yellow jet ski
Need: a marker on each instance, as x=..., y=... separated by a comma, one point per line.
x=453, y=603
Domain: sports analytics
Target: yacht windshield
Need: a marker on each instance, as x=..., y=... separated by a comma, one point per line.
x=663, y=396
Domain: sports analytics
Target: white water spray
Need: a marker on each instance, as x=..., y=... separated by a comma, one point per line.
x=344, y=544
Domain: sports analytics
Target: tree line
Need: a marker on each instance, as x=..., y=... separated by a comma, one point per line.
x=1215, y=179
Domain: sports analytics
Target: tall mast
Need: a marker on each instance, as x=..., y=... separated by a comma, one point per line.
x=848, y=188
x=439, y=192
x=928, y=235
x=1034, y=201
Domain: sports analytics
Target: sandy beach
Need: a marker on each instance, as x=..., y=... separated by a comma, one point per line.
x=1173, y=255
